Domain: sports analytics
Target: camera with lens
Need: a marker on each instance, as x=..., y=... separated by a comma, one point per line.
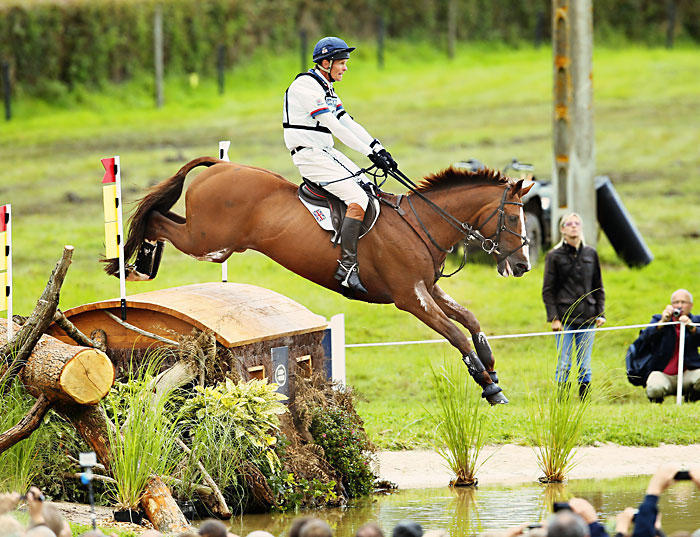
x=676, y=313
x=560, y=506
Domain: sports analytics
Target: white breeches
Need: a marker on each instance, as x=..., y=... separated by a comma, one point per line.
x=329, y=165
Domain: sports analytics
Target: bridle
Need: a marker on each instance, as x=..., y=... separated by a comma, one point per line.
x=490, y=244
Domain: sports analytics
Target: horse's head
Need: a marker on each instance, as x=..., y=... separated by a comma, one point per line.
x=504, y=229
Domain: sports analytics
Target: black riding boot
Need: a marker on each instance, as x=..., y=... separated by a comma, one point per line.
x=348, y=273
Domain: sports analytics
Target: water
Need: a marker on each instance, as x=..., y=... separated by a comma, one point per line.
x=464, y=512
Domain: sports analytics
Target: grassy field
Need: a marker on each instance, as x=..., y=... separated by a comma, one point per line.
x=488, y=103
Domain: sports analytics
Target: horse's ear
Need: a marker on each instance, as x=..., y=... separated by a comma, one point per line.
x=518, y=190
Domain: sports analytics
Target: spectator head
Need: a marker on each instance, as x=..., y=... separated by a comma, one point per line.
x=55, y=521
x=212, y=528
x=39, y=531
x=567, y=524
x=297, y=524
x=407, y=528
x=682, y=299
x=371, y=529
x=696, y=533
x=315, y=528
x=260, y=533
x=9, y=527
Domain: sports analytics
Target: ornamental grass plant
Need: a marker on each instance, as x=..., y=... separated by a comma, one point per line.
x=142, y=433
x=21, y=463
x=459, y=433
x=556, y=419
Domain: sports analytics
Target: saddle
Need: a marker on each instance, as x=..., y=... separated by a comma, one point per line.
x=329, y=210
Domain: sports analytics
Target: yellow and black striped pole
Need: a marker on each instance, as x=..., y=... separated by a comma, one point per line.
x=112, y=200
x=6, y=264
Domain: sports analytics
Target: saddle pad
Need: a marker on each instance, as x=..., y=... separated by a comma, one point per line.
x=328, y=211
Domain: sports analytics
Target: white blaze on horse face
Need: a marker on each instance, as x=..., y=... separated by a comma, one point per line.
x=526, y=248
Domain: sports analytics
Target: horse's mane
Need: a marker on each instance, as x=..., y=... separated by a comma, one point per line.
x=458, y=176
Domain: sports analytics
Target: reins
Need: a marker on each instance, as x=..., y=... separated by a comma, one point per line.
x=488, y=244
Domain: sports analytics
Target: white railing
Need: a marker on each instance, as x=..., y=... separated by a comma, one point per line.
x=681, y=346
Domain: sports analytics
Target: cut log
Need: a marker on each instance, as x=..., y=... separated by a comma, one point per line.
x=161, y=509
x=66, y=373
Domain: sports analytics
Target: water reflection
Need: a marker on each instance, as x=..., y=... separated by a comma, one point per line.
x=465, y=512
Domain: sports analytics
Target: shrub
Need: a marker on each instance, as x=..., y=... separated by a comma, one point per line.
x=346, y=447
x=230, y=425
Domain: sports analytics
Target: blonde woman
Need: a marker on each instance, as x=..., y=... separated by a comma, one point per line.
x=574, y=298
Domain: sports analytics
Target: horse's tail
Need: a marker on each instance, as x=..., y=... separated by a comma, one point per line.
x=161, y=198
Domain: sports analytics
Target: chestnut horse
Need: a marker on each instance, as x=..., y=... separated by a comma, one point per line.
x=232, y=207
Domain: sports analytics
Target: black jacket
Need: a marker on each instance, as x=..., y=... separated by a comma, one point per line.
x=571, y=274
x=663, y=343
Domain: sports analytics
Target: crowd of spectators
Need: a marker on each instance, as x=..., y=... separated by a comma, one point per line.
x=575, y=518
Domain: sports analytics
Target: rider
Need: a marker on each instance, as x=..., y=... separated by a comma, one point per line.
x=312, y=115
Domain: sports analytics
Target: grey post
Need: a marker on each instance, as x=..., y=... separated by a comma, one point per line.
x=158, y=53
x=573, y=144
x=220, y=67
x=5, y=68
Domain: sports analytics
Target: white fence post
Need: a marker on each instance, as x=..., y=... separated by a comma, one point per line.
x=679, y=377
x=338, y=348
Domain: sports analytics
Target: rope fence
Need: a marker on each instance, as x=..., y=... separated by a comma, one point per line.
x=681, y=346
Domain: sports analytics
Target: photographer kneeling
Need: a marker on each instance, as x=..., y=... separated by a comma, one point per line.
x=659, y=345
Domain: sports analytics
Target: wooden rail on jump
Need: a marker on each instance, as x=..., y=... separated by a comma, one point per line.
x=237, y=314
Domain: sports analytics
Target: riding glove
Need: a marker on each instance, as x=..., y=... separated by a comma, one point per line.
x=389, y=158
x=381, y=160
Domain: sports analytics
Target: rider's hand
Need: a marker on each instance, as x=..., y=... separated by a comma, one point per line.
x=389, y=158
x=380, y=160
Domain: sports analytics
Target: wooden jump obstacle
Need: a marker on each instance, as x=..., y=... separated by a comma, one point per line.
x=247, y=321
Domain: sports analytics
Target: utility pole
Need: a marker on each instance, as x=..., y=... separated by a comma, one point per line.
x=573, y=142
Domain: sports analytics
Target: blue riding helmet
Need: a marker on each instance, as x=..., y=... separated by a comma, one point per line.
x=331, y=48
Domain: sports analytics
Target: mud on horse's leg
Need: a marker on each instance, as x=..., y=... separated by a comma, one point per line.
x=482, y=361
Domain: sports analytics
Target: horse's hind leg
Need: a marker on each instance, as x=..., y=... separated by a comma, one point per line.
x=425, y=308
x=455, y=311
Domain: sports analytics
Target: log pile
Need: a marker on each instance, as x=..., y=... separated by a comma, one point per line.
x=72, y=380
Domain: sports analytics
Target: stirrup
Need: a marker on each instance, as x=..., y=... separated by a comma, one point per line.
x=349, y=277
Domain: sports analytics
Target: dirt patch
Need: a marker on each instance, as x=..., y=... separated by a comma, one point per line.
x=511, y=464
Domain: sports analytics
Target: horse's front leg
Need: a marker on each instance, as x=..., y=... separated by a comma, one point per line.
x=455, y=311
x=423, y=306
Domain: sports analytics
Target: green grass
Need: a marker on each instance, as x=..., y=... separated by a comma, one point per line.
x=490, y=103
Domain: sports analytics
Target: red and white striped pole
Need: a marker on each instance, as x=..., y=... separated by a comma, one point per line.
x=112, y=200
x=6, y=264
x=223, y=155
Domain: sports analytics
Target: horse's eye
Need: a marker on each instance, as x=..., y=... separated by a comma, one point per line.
x=512, y=219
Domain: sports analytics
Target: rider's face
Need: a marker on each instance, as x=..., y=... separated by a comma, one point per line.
x=338, y=69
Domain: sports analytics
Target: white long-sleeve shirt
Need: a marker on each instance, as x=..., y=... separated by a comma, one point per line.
x=313, y=114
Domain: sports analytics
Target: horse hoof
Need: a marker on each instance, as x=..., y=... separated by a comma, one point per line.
x=497, y=399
